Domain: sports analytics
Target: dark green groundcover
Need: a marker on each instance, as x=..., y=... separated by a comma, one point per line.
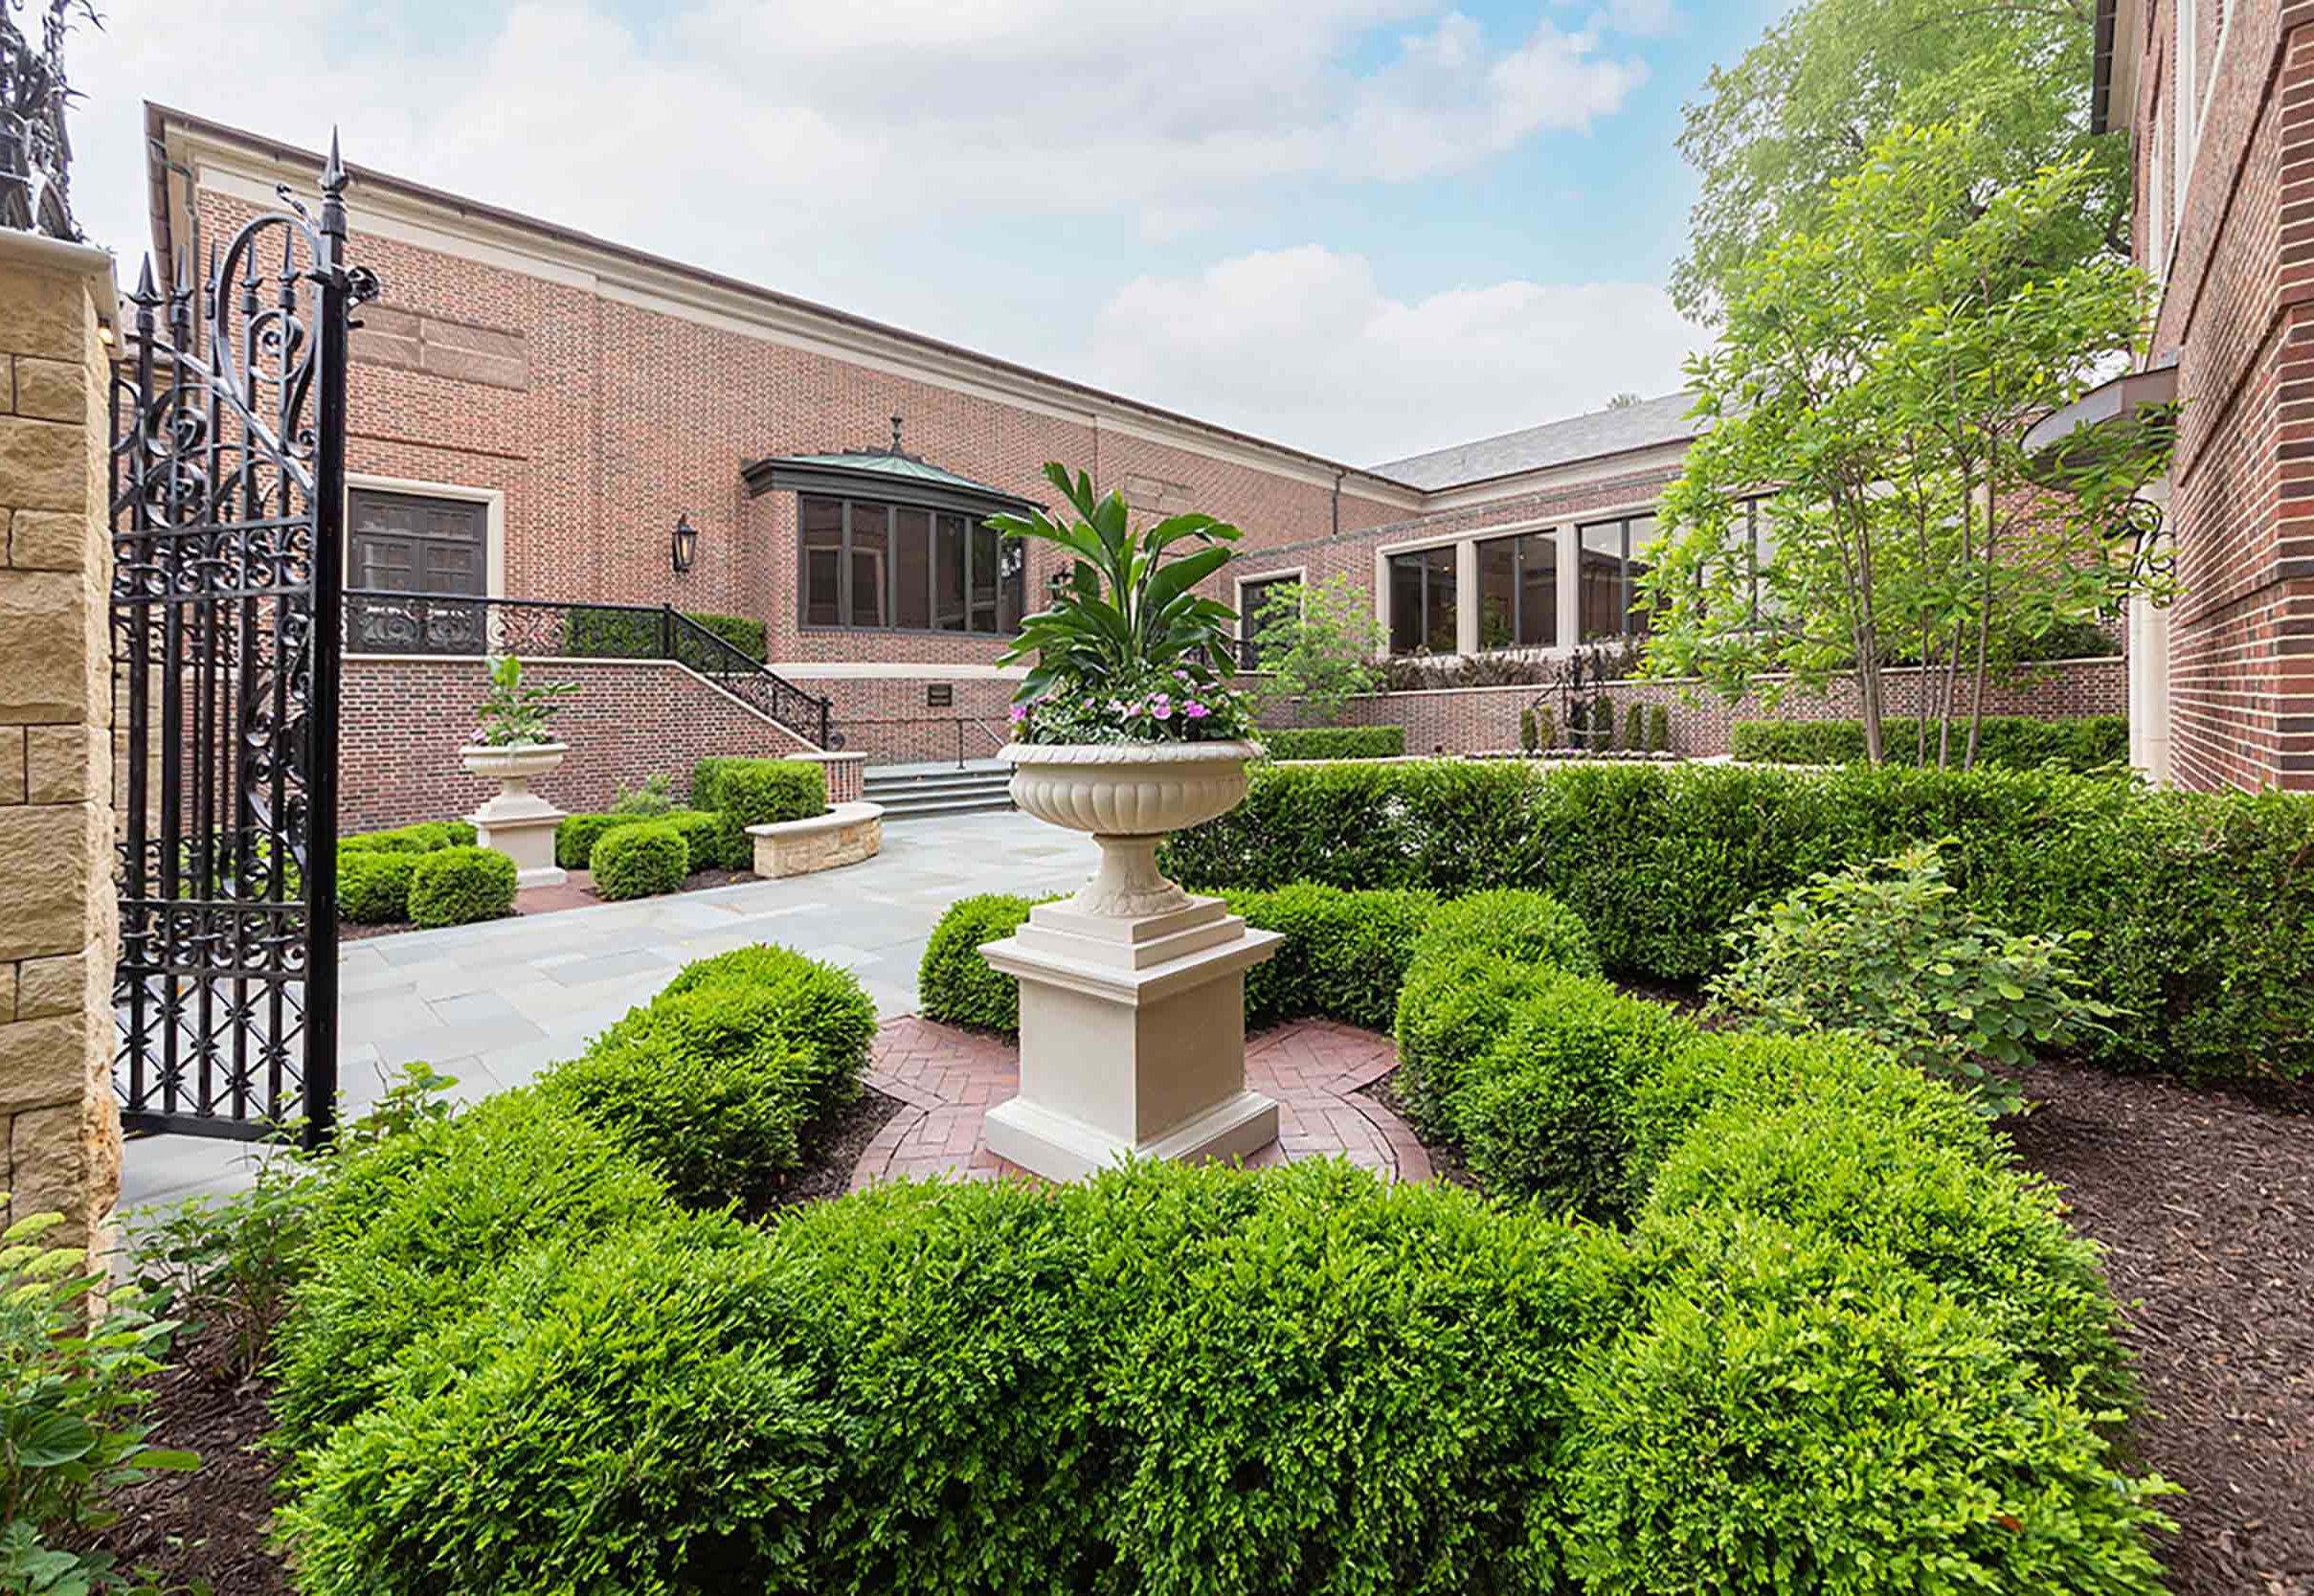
x=1741, y=1315
x=2199, y=907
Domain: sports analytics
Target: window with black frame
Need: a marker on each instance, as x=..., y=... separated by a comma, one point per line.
x=864, y=566
x=1518, y=591
x=1252, y=598
x=1424, y=618
x=1611, y=601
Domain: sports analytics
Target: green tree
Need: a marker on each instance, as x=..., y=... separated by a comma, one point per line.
x=1800, y=109
x=1870, y=396
x=1317, y=644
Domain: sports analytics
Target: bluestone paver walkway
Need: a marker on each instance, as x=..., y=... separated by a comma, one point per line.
x=494, y=1003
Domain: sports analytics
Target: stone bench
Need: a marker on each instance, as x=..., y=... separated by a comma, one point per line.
x=845, y=835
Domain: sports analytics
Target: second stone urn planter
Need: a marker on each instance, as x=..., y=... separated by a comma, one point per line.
x=517, y=821
x=1133, y=993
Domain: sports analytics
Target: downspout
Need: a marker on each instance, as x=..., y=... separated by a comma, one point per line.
x=1339, y=472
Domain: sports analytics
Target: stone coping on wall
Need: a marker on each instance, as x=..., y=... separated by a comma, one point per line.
x=846, y=834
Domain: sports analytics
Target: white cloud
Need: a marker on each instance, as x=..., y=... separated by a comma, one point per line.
x=1303, y=345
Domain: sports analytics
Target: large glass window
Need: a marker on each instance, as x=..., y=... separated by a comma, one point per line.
x=1518, y=591
x=1615, y=559
x=877, y=567
x=1421, y=602
x=1252, y=600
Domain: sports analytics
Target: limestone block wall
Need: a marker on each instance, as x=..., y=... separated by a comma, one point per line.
x=59, y=1127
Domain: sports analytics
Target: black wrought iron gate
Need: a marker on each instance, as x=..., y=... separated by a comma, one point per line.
x=227, y=504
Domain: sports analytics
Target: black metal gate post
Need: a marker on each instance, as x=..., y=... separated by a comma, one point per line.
x=229, y=464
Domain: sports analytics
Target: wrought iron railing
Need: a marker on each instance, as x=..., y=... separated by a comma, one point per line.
x=930, y=739
x=379, y=622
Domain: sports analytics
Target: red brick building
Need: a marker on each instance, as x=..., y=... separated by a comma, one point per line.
x=535, y=414
x=2219, y=100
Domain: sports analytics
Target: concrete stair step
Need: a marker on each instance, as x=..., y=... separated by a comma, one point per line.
x=955, y=803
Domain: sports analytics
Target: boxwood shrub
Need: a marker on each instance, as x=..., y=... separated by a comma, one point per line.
x=575, y=836
x=715, y=1085
x=715, y=838
x=1334, y=742
x=425, y=836
x=639, y=861
x=374, y=886
x=455, y=885
x=953, y=983
x=2017, y=742
x=2199, y=907
x=1343, y=957
x=763, y=792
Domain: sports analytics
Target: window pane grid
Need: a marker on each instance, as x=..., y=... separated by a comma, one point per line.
x=867, y=566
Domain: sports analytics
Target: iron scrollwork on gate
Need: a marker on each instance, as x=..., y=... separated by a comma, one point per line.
x=228, y=505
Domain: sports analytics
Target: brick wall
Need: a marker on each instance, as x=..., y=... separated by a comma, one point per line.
x=404, y=719
x=59, y=1126
x=891, y=721
x=1473, y=719
x=2237, y=312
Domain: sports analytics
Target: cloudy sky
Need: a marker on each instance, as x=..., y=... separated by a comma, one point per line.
x=1362, y=227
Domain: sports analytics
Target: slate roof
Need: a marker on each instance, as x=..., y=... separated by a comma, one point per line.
x=1602, y=431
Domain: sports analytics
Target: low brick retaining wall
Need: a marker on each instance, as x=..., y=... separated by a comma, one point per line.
x=1471, y=720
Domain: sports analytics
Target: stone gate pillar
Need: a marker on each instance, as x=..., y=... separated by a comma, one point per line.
x=59, y=1128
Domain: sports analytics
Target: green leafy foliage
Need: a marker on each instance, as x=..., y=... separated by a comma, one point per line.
x=1658, y=728
x=2016, y=742
x=1317, y=644
x=456, y=886
x=715, y=839
x=1335, y=742
x=1792, y=1414
x=953, y=983
x=1127, y=624
x=639, y=861
x=514, y=712
x=2199, y=907
x=1343, y=957
x=575, y=836
x=764, y=792
x=1887, y=951
x=1508, y=922
x=74, y=1384
x=373, y=887
x=714, y=1085
x=423, y=838
x=650, y=800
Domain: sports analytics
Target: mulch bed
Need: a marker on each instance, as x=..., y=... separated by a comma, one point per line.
x=2204, y=1203
x=577, y=892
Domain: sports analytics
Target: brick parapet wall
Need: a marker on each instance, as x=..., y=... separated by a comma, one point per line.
x=404, y=720
x=1477, y=720
x=59, y=1125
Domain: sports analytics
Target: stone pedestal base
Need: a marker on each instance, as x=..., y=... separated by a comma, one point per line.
x=522, y=827
x=1132, y=1039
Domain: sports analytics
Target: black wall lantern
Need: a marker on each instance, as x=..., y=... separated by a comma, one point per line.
x=687, y=544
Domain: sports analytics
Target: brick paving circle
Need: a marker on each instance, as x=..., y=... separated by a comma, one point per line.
x=946, y=1079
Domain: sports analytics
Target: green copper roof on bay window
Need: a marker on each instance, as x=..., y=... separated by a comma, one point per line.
x=891, y=464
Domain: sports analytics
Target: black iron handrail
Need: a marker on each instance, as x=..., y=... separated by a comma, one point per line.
x=383, y=622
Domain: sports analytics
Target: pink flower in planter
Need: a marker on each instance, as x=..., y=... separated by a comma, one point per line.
x=1020, y=713
x=1160, y=706
x=1118, y=708
x=1194, y=710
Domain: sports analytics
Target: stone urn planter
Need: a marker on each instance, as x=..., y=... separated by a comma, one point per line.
x=517, y=821
x=1133, y=993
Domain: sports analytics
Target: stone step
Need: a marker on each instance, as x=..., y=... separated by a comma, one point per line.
x=959, y=803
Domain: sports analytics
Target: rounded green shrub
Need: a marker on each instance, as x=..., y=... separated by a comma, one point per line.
x=1993, y=1240
x=953, y=983
x=408, y=1232
x=639, y=861
x=458, y=884
x=715, y=840
x=423, y=838
x=1452, y=1010
x=1512, y=923
x=1548, y=1110
x=575, y=836
x=1794, y=1415
x=1344, y=956
x=715, y=1086
x=763, y=792
x=626, y=1424
x=373, y=887
x=1335, y=742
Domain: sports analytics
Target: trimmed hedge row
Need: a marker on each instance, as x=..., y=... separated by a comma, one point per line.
x=1334, y=742
x=2014, y=742
x=423, y=838
x=1837, y=1345
x=2200, y=907
x=591, y=632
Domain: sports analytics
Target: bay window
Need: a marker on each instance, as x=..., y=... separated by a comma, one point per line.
x=870, y=565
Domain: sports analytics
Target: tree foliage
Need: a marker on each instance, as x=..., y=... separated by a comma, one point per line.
x=1867, y=403
x=1317, y=644
x=1802, y=107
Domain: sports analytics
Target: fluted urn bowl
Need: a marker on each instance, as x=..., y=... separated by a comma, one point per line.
x=512, y=762
x=1130, y=795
